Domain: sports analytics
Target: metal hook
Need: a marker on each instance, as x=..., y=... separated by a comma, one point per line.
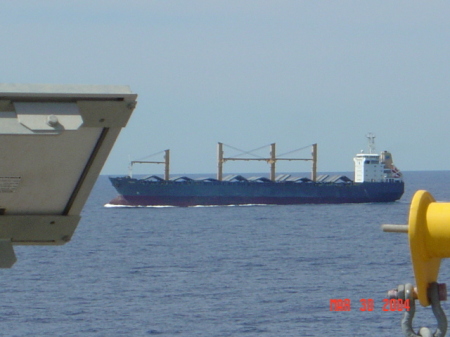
x=433, y=294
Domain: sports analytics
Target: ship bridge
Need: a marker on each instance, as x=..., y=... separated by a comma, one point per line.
x=368, y=168
x=371, y=167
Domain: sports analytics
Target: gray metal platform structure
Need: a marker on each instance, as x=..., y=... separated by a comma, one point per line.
x=54, y=140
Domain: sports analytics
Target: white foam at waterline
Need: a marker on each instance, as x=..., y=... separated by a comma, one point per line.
x=136, y=206
x=196, y=206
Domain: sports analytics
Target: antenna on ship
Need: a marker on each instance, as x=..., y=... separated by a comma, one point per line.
x=371, y=137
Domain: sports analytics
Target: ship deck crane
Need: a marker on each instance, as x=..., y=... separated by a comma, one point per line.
x=271, y=160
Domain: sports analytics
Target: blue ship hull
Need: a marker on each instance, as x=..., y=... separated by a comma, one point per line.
x=141, y=192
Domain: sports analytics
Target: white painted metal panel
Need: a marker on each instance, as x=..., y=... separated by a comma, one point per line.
x=54, y=141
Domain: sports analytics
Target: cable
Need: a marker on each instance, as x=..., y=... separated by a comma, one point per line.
x=246, y=152
x=149, y=156
x=302, y=148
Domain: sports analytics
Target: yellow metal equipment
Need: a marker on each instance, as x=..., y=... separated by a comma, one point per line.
x=429, y=239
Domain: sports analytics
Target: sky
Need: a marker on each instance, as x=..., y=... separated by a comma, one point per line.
x=248, y=74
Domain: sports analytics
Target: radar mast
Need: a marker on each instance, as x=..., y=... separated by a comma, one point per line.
x=371, y=137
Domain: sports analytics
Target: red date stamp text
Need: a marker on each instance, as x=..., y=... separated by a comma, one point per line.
x=368, y=304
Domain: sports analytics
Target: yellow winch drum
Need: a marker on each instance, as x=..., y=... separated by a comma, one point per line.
x=429, y=239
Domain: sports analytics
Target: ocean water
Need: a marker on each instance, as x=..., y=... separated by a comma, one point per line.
x=218, y=271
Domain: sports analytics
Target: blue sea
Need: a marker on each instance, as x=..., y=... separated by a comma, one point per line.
x=218, y=271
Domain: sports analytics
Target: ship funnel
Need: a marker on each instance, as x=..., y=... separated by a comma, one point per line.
x=386, y=158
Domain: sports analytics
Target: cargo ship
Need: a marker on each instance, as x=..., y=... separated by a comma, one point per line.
x=376, y=179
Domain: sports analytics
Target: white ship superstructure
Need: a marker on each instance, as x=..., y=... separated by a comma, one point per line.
x=372, y=167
